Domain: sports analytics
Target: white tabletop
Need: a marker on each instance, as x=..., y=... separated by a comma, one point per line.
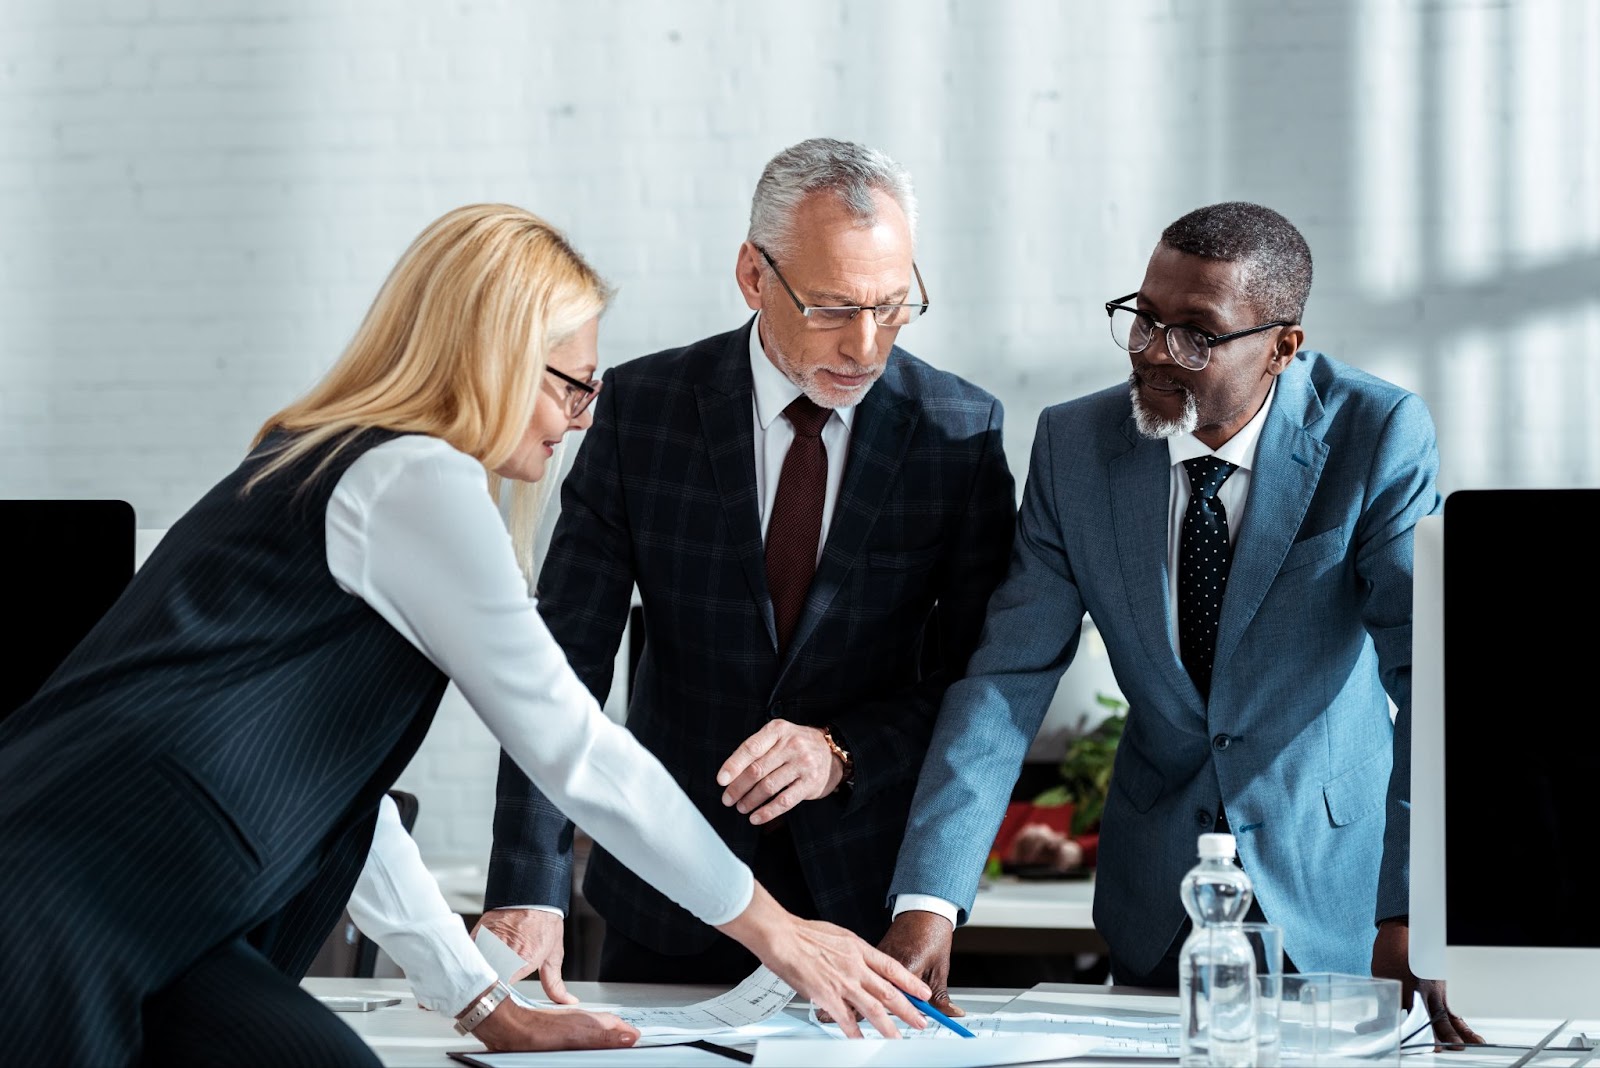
x=404, y=1035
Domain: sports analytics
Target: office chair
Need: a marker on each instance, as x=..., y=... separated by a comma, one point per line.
x=67, y=562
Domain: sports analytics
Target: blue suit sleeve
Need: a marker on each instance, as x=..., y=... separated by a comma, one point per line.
x=989, y=718
x=1407, y=459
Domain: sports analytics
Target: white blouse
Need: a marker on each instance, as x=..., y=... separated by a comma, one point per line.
x=398, y=905
x=412, y=531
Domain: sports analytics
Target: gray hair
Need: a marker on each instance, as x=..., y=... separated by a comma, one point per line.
x=850, y=171
x=1276, y=257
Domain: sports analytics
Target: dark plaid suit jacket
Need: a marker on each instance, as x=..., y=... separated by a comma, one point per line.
x=662, y=494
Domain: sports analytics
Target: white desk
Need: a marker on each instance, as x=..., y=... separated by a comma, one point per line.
x=406, y=1037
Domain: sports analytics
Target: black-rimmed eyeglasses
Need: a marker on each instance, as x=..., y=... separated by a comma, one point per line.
x=1189, y=346
x=579, y=394
x=831, y=318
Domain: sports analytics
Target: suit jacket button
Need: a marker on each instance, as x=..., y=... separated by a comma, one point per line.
x=1221, y=742
x=1202, y=818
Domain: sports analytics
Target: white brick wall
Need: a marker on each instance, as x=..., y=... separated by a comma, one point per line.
x=199, y=197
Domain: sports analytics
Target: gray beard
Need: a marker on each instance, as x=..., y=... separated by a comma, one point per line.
x=815, y=392
x=1154, y=426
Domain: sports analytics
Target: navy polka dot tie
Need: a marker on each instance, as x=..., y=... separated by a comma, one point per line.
x=1204, y=558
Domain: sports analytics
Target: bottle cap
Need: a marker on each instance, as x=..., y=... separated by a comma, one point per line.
x=1213, y=845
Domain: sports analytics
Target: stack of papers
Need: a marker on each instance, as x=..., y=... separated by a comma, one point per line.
x=750, y=1011
x=1035, y=1026
x=988, y=1048
x=1098, y=1035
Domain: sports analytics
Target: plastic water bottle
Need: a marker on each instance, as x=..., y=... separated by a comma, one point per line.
x=1217, y=967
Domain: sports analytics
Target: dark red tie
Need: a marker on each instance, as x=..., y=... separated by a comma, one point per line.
x=795, y=526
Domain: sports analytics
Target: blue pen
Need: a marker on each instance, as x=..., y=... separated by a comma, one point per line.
x=929, y=1010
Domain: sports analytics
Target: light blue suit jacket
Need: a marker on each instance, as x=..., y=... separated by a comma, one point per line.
x=1296, y=739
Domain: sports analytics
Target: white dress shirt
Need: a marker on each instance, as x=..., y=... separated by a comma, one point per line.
x=1235, y=492
x=774, y=434
x=1239, y=450
x=398, y=905
x=412, y=531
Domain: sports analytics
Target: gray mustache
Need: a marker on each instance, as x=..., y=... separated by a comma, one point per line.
x=1152, y=378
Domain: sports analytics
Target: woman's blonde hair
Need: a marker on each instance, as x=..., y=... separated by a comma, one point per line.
x=454, y=346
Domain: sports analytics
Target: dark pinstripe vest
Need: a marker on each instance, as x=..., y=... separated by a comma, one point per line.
x=208, y=762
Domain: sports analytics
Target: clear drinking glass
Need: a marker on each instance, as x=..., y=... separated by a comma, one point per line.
x=1330, y=1018
x=1266, y=940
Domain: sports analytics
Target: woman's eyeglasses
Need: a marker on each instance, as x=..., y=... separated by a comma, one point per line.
x=579, y=394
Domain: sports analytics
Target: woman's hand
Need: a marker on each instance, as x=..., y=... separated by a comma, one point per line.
x=837, y=972
x=514, y=1028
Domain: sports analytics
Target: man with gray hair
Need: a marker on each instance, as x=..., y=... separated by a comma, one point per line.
x=1237, y=520
x=814, y=520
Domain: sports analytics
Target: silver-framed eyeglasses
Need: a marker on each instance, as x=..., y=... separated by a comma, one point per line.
x=832, y=318
x=1189, y=346
x=579, y=394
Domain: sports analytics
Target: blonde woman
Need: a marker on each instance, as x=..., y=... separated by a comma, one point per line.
x=187, y=801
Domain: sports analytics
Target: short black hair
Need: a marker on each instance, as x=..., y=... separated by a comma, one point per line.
x=1278, y=278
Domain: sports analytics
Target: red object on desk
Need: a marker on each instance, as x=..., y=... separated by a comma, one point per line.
x=1057, y=817
x=1091, y=847
x=1021, y=813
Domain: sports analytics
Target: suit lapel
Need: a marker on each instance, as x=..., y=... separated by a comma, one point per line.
x=884, y=422
x=727, y=421
x=1289, y=461
x=1140, y=488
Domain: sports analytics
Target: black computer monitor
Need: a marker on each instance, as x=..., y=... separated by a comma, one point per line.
x=1506, y=752
x=65, y=563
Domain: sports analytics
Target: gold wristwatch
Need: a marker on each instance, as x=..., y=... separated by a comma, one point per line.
x=842, y=756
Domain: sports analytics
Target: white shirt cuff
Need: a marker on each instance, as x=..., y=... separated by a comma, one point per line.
x=925, y=903
x=540, y=908
x=441, y=963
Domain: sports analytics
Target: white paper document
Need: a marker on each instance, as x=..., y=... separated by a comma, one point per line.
x=749, y=1011
x=753, y=1011
x=960, y=1052
x=1129, y=1025
x=742, y=1011
x=501, y=957
x=1136, y=1035
x=668, y=1057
